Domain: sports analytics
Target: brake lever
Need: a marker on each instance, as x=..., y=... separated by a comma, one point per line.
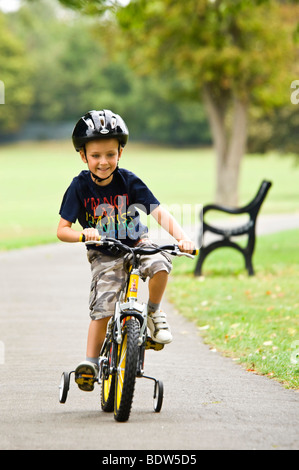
x=178, y=252
x=182, y=253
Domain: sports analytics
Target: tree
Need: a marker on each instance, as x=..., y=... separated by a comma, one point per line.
x=75, y=72
x=226, y=54
x=89, y=7
x=231, y=54
x=277, y=128
x=15, y=73
x=68, y=71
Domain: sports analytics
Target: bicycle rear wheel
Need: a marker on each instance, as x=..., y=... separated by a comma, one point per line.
x=126, y=370
x=108, y=386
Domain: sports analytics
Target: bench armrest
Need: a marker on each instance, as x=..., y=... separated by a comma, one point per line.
x=253, y=206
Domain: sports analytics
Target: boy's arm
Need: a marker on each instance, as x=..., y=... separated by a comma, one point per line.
x=168, y=222
x=66, y=233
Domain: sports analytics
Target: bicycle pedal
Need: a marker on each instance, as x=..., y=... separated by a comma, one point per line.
x=151, y=344
x=82, y=379
x=85, y=382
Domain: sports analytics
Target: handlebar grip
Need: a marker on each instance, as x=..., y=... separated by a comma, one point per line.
x=82, y=238
x=195, y=252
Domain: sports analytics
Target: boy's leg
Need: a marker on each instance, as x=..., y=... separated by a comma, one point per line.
x=89, y=367
x=96, y=336
x=107, y=280
x=157, y=324
x=157, y=268
x=156, y=287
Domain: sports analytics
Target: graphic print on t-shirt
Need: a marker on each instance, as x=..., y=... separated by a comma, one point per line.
x=112, y=209
x=112, y=216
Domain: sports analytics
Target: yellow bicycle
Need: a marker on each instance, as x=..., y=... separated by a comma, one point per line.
x=122, y=354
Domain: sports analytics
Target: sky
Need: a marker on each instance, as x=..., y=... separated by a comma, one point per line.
x=9, y=5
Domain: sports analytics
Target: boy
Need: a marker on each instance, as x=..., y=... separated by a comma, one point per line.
x=103, y=199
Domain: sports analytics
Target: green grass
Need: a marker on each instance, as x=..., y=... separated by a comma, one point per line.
x=34, y=177
x=253, y=320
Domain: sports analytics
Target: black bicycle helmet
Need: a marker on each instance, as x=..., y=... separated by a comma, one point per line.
x=102, y=124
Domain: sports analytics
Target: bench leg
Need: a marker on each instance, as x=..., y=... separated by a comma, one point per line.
x=205, y=251
x=248, y=263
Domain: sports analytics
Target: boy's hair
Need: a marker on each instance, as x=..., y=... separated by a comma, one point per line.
x=103, y=124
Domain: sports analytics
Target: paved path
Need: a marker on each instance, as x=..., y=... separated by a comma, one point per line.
x=210, y=402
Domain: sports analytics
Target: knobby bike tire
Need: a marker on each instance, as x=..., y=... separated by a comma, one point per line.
x=108, y=388
x=126, y=370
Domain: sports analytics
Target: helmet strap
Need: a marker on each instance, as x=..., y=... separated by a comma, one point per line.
x=99, y=180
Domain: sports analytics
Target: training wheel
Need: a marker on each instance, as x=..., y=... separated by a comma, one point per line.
x=158, y=395
x=64, y=387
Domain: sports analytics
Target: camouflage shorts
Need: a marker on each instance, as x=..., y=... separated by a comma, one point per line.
x=109, y=278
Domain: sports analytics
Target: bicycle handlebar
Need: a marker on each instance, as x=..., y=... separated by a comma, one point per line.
x=142, y=250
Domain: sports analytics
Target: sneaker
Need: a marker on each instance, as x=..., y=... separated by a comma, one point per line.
x=159, y=328
x=86, y=374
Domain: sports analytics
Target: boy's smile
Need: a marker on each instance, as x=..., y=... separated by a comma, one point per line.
x=102, y=157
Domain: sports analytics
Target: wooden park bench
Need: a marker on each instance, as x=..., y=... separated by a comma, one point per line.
x=226, y=234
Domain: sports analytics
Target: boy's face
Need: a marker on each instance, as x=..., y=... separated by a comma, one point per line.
x=102, y=157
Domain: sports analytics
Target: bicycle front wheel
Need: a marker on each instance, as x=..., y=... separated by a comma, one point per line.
x=126, y=370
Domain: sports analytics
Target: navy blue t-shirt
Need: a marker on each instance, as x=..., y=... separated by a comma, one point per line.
x=112, y=209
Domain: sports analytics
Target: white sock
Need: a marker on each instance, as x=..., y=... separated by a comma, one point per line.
x=152, y=307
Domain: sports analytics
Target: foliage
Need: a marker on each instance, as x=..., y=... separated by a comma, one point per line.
x=222, y=51
x=276, y=129
x=60, y=72
x=69, y=76
x=72, y=73
x=91, y=7
x=223, y=43
x=15, y=73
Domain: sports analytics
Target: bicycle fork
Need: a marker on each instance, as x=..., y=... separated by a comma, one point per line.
x=131, y=308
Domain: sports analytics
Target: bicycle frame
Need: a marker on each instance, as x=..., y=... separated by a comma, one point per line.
x=127, y=326
x=128, y=305
x=126, y=308
x=131, y=306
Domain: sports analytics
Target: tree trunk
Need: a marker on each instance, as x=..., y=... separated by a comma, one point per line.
x=229, y=145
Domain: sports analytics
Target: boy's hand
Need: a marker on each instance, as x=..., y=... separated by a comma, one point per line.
x=186, y=246
x=91, y=234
